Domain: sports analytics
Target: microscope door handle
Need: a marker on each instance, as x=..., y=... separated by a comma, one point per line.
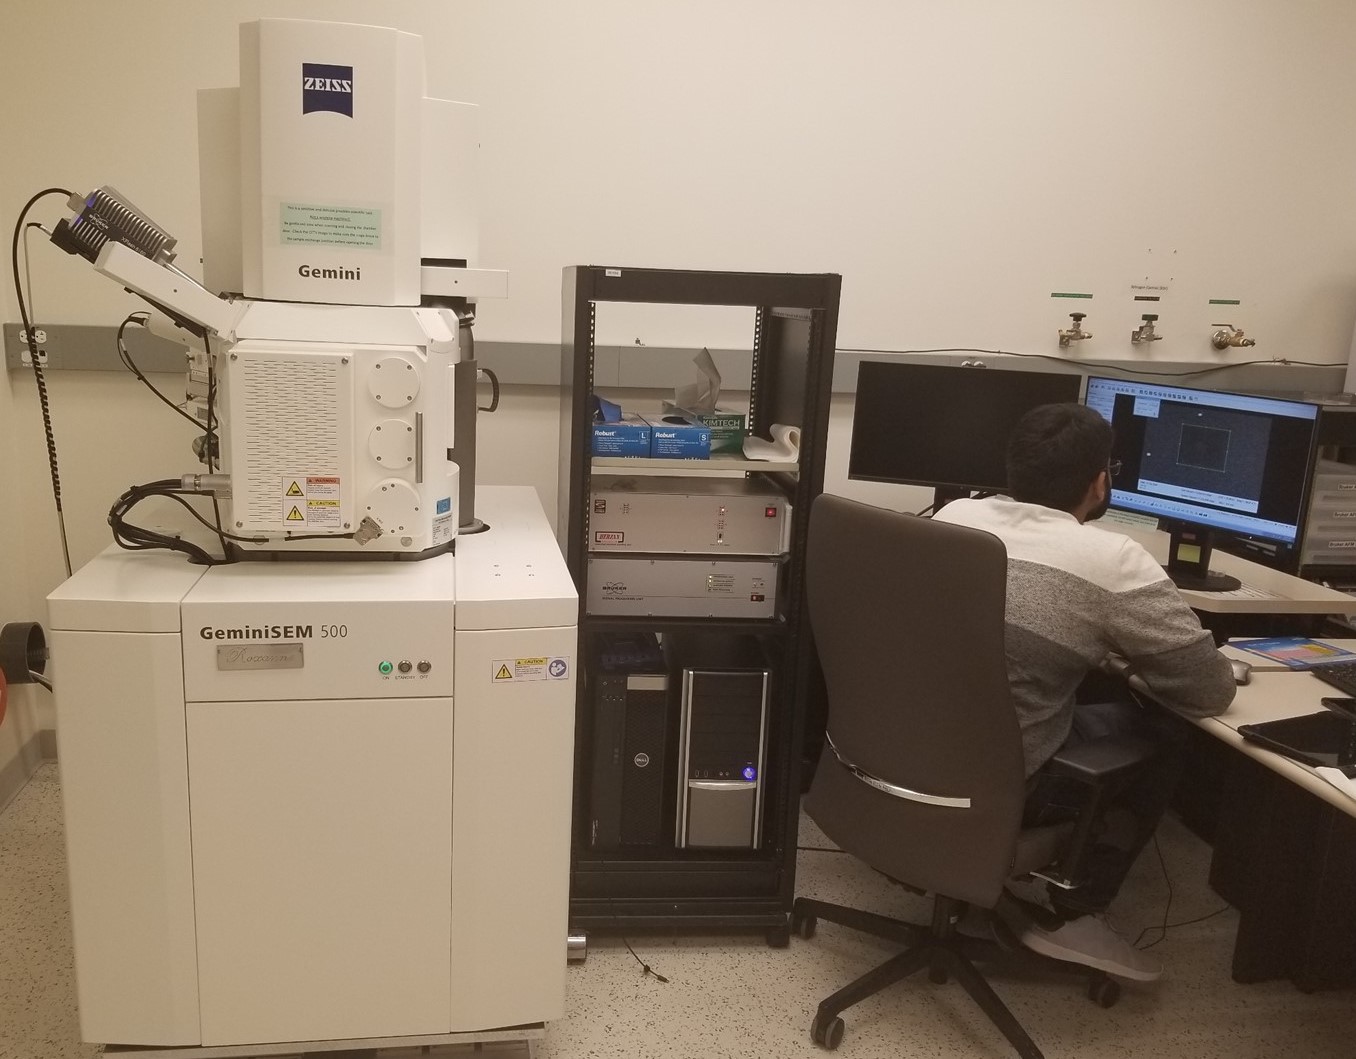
x=419, y=448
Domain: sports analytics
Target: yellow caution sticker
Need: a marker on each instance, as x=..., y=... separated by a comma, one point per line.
x=295, y=515
x=294, y=489
x=517, y=670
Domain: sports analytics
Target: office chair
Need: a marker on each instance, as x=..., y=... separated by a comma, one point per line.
x=922, y=775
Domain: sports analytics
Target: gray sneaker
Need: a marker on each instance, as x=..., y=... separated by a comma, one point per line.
x=1091, y=941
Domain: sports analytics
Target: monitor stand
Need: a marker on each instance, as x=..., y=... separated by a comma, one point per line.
x=944, y=494
x=1188, y=564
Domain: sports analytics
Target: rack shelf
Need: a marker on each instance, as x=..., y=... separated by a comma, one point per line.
x=716, y=465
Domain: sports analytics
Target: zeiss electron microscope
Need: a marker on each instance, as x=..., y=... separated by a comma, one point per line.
x=316, y=795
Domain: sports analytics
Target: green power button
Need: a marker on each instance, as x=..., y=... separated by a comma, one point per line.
x=385, y=668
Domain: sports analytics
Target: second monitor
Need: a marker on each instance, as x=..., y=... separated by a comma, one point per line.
x=943, y=426
x=1202, y=461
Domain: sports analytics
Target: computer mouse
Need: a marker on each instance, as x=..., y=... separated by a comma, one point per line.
x=1242, y=670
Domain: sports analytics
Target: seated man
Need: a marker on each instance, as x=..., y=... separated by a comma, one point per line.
x=1075, y=595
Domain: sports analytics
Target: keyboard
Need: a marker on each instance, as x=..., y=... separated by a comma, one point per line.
x=1341, y=675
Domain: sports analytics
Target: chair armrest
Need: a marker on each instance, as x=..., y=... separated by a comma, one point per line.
x=1099, y=760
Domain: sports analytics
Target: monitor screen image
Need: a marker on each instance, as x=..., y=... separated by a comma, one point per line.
x=1223, y=461
x=942, y=426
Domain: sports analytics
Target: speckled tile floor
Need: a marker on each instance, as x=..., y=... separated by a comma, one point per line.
x=736, y=997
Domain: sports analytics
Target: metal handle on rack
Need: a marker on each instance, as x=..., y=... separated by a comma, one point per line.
x=494, y=390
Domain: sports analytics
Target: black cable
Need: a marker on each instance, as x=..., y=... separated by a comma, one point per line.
x=1167, y=907
x=1165, y=926
x=646, y=968
x=139, y=538
x=213, y=446
x=819, y=849
x=142, y=317
x=38, y=375
x=221, y=533
x=1108, y=367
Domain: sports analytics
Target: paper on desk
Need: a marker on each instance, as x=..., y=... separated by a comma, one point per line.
x=700, y=396
x=1334, y=776
x=784, y=446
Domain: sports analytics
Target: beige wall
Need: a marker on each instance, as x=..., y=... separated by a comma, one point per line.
x=955, y=162
x=21, y=721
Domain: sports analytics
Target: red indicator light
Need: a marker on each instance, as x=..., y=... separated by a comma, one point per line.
x=769, y=512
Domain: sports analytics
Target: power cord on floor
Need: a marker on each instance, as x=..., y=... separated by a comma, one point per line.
x=1165, y=926
x=645, y=967
x=819, y=849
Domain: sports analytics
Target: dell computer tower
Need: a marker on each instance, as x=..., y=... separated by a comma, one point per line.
x=631, y=713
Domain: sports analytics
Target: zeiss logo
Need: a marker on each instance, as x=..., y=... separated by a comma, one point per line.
x=325, y=87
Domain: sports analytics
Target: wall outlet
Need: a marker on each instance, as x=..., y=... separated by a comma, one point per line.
x=25, y=354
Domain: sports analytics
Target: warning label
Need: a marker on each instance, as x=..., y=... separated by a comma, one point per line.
x=311, y=501
x=322, y=488
x=322, y=513
x=514, y=670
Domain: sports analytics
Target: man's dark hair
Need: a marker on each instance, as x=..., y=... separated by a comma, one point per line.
x=1055, y=452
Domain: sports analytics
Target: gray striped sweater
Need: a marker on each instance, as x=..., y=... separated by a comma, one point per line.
x=1077, y=593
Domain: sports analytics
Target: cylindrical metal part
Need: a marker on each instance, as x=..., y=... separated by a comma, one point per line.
x=220, y=484
x=23, y=651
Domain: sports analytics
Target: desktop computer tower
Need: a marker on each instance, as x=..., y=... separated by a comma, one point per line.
x=631, y=733
x=722, y=745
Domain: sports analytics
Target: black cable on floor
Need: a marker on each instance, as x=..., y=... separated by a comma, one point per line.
x=1165, y=926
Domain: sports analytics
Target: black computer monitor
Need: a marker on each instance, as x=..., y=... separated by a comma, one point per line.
x=1206, y=461
x=942, y=426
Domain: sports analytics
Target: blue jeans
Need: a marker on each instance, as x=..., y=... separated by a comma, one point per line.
x=1130, y=812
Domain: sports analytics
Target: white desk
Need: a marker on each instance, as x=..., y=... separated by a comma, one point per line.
x=1270, y=696
x=1282, y=856
x=1265, y=591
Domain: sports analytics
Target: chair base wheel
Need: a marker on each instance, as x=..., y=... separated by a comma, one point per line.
x=827, y=1033
x=804, y=926
x=1104, y=992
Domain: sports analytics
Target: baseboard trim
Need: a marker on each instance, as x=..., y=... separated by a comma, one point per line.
x=16, y=773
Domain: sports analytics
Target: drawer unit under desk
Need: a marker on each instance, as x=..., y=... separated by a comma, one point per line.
x=682, y=588
x=711, y=516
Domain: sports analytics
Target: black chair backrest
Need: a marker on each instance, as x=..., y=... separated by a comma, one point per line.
x=908, y=620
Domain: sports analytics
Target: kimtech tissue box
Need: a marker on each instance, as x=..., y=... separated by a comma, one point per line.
x=728, y=427
x=675, y=437
x=627, y=436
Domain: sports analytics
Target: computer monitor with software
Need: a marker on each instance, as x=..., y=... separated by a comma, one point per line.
x=1204, y=461
x=943, y=426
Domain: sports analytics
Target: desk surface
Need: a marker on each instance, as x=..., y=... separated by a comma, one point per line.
x=1264, y=591
x=1270, y=696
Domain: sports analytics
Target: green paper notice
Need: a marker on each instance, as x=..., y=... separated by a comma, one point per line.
x=350, y=226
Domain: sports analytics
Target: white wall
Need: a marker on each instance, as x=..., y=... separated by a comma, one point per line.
x=955, y=162
x=21, y=721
